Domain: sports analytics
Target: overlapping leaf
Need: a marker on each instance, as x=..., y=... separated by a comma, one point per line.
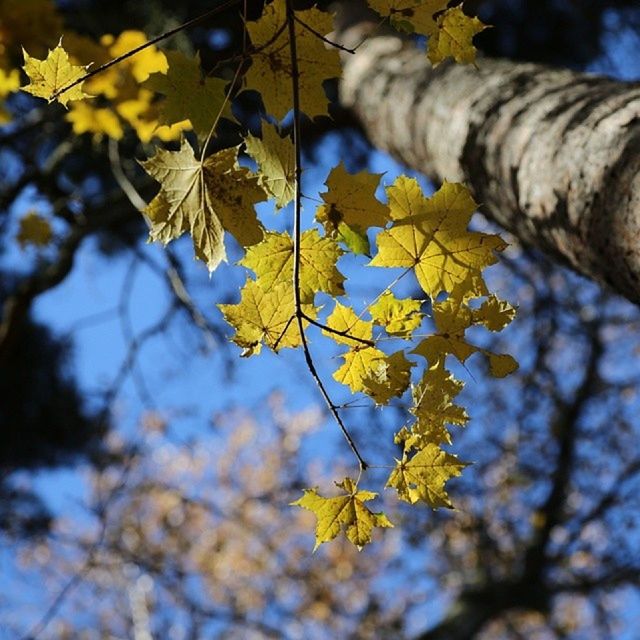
x=189, y=95
x=347, y=512
x=351, y=207
x=264, y=317
x=398, y=317
x=204, y=199
x=454, y=37
x=430, y=235
x=422, y=477
x=275, y=157
x=270, y=71
x=272, y=262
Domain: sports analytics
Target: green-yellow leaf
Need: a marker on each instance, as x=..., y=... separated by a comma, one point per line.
x=270, y=71
x=454, y=37
x=35, y=230
x=351, y=202
x=189, y=95
x=52, y=74
x=264, y=317
x=422, y=478
x=347, y=512
x=204, y=199
x=398, y=317
x=430, y=235
x=272, y=262
x=275, y=157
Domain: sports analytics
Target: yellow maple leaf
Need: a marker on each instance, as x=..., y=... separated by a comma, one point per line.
x=275, y=157
x=351, y=199
x=434, y=408
x=398, y=317
x=35, y=230
x=344, y=320
x=414, y=16
x=51, y=75
x=389, y=378
x=9, y=83
x=452, y=318
x=494, y=314
x=272, y=262
x=430, y=235
x=189, y=95
x=264, y=317
x=360, y=364
x=99, y=121
x=270, y=71
x=422, y=477
x=203, y=198
x=454, y=37
x=347, y=512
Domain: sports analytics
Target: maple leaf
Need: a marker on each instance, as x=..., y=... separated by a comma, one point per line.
x=453, y=37
x=35, y=230
x=272, y=262
x=99, y=121
x=264, y=317
x=389, y=378
x=434, y=408
x=452, y=318
x=430, y=235
x=189, y=95
x=494, y=314
x=270, y=71
x=422, y=477
x=347, y=512
x=275, y=157
x=398, y=317
x=344, y=320
x=203, y=198
x=52, y=74
x=414, y=16
x=351, y=207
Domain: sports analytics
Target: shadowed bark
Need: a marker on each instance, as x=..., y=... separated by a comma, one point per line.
x=552, y=155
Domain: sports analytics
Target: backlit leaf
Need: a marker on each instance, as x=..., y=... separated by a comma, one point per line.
x=270, y=71
x=52, y=74
x=422, y=477
x=204, y=199
x=347, y=512
x=275, y=157
x=430, y=235
x=272, y=262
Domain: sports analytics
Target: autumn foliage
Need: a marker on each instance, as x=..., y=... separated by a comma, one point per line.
x=296, y=289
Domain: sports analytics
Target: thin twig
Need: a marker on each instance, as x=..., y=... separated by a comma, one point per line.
x=323, y=38
x=297, y=218
x=345, y=333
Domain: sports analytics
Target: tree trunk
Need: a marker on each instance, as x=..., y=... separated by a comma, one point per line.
x=552, y=155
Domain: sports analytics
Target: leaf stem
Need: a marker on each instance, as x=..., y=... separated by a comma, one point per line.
x=297, y=233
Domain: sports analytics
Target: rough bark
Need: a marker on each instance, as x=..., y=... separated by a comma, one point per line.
x=552, y=155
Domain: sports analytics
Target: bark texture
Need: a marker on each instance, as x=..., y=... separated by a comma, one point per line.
x=552, y=155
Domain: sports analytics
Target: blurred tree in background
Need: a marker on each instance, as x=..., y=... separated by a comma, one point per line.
x=189, y=539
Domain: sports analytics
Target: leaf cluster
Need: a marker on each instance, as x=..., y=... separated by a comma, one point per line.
x=287, y=58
